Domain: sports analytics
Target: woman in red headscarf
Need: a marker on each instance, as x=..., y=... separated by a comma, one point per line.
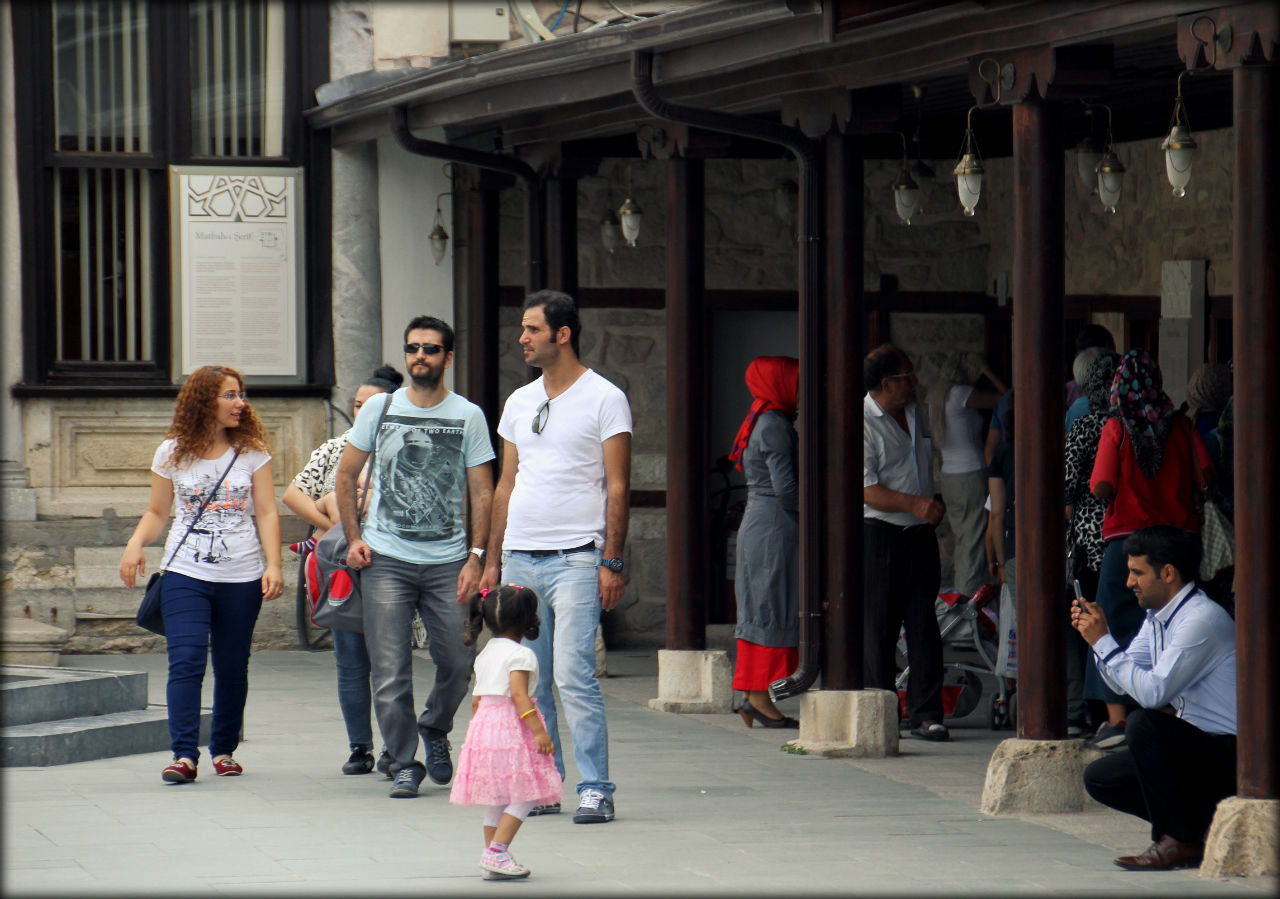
x=768, y=538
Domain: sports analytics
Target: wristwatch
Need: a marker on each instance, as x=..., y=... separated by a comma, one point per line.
x=478, y=552
x=614, y=565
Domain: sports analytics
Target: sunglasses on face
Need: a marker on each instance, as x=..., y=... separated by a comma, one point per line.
x=431, y=349
x=233, y=395
x=540, y=417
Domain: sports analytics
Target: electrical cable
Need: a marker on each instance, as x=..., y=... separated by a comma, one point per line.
x=559, y=16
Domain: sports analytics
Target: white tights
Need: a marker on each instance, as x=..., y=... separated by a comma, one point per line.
x=519, y=810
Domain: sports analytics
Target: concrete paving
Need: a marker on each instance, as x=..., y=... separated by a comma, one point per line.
x=705, y=807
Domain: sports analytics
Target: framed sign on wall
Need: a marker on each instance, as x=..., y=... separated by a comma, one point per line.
x=237, y=268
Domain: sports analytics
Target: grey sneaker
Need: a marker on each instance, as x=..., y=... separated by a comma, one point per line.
x=384, y=765
x=439, y=765
x=594, y=807
x=406, y=783
x=552, y=808
x=1109, y=736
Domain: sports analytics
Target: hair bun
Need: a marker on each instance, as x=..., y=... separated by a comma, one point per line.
x=386, y=376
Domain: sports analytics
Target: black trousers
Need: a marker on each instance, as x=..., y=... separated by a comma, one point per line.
x=900, y=585
x=1169, y=772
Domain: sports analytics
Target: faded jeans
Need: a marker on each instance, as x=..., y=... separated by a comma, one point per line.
x=392, y=589
x=568, y=589
x=354, y=698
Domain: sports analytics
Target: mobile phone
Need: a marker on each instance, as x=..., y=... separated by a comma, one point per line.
x=1079, y=593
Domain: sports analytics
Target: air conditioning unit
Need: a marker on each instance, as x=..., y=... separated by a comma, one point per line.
x=478, y=21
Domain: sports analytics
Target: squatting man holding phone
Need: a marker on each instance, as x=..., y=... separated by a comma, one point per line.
x=1179, y=760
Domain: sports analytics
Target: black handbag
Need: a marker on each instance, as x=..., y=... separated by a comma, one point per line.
x=150, y=611
x=339, y=604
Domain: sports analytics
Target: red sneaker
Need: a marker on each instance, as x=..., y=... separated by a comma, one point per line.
x=227, y=767
x=182, y=771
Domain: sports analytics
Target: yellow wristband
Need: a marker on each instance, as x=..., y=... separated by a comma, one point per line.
x=527, y=714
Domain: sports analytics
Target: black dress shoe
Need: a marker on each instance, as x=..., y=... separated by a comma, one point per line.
x=750, y=714
x=1165, y=854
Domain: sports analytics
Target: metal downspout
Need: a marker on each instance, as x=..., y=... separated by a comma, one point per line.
x=812, y=341
x=535, y=213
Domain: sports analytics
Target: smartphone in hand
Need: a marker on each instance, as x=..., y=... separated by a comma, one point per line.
x=1079, y=600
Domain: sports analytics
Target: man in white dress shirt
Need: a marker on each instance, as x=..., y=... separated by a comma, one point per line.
x=1179, y=758
x=901, y=570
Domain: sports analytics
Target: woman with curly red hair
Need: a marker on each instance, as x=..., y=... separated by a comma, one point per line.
x=214, y=582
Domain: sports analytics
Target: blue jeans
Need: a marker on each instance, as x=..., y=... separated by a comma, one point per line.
x=203, y=617
x=354, y=697
x=568, y=589
x=392, y=589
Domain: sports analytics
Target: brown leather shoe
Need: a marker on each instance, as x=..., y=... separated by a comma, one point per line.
x=1164, y=854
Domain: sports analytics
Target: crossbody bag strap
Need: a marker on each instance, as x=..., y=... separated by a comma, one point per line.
x=373, y=455
x=200, y=511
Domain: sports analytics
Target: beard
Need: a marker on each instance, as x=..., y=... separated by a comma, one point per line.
x=429, y=381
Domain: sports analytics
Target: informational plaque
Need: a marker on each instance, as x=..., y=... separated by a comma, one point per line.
x=237, y=269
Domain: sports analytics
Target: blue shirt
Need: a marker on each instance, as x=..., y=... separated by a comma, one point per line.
x=1077, y=409
x=417, y=502
x=1185, y=655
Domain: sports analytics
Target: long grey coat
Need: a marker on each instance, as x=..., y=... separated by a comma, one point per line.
x=767, y=576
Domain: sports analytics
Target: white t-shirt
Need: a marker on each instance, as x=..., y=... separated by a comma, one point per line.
x=223, y=547
x=495, y=663
x=961, y=445
x=897, y=459
x=559, y=497
x=416, y=511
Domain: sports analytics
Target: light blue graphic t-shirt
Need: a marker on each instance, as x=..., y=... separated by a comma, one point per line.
x=417, y=505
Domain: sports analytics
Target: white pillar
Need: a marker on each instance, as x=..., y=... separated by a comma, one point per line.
x=1182, y=323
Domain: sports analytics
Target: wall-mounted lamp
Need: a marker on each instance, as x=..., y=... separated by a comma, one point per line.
x=1179, y=147
x=630, y=215
x=1110, y=171
x=969, y=170
x=610, y=228
x=906, y=192
x=439, y=238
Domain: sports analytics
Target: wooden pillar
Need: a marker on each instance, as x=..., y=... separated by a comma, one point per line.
x=688, y=576
x=562, y=234
x=481, y=300
x=842, y=660
x=1038, y=302
x=1256, y=93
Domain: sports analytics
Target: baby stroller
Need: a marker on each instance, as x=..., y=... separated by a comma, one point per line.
x=968, y=623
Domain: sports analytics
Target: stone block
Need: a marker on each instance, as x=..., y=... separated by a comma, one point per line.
x=693, y=681
x=99, y=566
x=1038, y=776
x=1244, y=839
x=849, y=723
x=28, y=642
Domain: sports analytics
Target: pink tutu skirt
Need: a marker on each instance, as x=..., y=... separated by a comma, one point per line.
x=500, y=762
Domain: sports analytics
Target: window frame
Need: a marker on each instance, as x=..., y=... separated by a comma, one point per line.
x=39, y=164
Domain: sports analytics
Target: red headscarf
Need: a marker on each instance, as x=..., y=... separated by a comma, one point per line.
x=772, y=381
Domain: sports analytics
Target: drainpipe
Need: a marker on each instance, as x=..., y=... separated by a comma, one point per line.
x=812, y=341
x=535, y=215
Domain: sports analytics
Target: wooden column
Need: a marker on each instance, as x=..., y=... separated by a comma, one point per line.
x=1256, y=93
x=688, y=576
x=481, y=299
x=562, y=233
x=1038, y=416
x=842, y=659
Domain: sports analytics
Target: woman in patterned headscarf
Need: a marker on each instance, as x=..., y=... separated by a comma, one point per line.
x=766, y=574
x=1143, y=474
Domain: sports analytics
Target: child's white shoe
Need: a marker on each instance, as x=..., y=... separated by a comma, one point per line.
x=500, y=865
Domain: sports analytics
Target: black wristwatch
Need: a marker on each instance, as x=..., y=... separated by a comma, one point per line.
x=614, y=565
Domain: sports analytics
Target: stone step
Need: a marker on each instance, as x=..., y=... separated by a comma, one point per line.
x=33, y=694
x=93, y=737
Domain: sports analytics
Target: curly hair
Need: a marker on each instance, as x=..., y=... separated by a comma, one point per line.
x=195, y=423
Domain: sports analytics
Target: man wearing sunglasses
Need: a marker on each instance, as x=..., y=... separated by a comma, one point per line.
x=432, y=461
x=559, y=525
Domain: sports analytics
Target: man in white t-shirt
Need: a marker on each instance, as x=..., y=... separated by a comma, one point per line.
x=559, y=524
x=433, y=455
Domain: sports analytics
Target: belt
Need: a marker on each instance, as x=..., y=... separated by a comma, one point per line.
x=541, y=553
x=890, y=526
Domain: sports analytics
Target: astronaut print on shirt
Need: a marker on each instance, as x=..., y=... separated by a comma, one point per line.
x=419, y=474
x=207, y=544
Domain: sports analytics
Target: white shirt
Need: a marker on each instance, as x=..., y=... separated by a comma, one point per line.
x=495, y=663
x=961, y=446
x=894, y=458
x=223, y=546
x=1184, y=654
x=559, y=497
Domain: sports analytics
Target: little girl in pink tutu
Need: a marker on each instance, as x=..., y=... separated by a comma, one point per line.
x=505, y=762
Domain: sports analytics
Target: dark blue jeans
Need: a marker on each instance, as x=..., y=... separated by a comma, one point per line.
x=354, y=695
x=202, y=617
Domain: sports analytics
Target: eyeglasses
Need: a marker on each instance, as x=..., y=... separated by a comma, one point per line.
x=431, y=349
x=233, y=395
x=540, y=417
x=905, y=374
